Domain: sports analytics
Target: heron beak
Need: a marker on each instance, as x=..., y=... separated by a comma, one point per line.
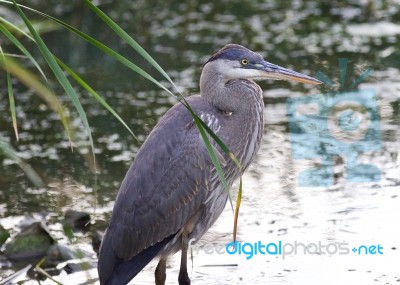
x=272, y=71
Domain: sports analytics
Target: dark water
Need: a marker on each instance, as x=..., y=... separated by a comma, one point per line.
x=356, y=204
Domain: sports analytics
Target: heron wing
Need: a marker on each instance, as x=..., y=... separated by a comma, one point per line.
x=165, y=186
x=218, y=154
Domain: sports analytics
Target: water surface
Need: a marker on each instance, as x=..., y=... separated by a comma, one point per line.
x=306, y=36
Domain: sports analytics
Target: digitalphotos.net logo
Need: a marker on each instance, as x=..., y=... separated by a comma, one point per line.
x=284, y=249
x=344, y=124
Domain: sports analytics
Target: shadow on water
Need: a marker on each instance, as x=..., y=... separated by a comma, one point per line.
x=304, y=138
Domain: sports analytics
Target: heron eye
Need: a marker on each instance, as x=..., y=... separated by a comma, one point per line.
x=245, y=61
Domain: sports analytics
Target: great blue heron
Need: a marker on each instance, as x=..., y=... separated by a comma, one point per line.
x=172, y=192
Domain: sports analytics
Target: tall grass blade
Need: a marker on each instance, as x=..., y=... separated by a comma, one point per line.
x=211, y=152
x=238, y=201
x=58, y=73
x=9, y=152
x=221, y=144
x=10, y=95
x=12, y=105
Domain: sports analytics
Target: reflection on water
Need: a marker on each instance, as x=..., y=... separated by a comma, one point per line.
x=307, y=36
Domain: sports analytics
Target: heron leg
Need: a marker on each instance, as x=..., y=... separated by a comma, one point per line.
x=183, y=277
x=160, y=273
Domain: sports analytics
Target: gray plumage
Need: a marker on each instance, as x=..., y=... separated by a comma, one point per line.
x=172, y=189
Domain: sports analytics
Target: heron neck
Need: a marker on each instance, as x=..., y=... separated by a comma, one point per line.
x=235, y=95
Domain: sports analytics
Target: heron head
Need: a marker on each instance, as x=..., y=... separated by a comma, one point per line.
x=237, y=62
